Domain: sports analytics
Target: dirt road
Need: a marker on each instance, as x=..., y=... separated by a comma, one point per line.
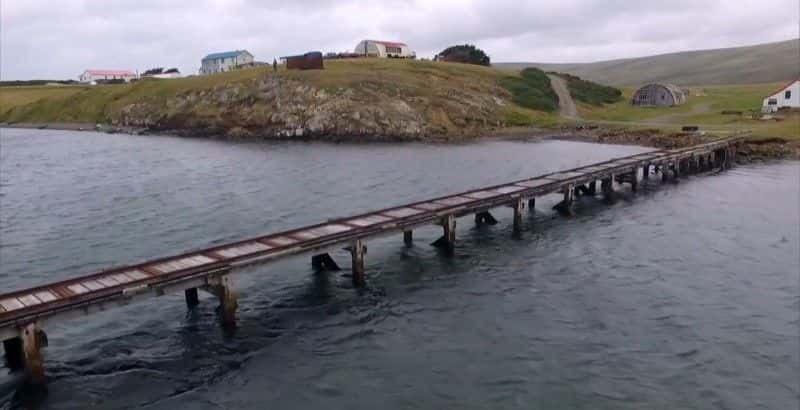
x=566, y=106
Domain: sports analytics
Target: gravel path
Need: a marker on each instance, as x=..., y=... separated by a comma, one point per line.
x=566, y=106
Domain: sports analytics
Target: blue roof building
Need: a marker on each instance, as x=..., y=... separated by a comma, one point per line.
x=225, y=61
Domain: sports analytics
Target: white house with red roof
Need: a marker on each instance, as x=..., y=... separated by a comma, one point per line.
x=384, y=49
x=787, y=96
x=93, y=75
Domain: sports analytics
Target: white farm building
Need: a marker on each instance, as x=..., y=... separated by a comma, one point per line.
x=225, y=61
x=92, y=75
x=384, y=49
x=788, y=96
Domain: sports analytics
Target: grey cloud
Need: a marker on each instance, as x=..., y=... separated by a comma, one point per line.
x=58, y=39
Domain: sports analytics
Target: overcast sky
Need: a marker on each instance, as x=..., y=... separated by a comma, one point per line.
x=60, y=38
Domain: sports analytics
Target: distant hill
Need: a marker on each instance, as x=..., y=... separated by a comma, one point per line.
x=763, y=63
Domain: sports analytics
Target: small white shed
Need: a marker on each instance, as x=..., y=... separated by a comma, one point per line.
x=788, y=96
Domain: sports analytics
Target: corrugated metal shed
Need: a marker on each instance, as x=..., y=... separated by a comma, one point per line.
x=658, y=95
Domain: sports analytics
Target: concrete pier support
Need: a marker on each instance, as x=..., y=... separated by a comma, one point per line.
x=485, y=217
x=646, y=172
x=192, y=299
x=222, y=288
x=408, y=238
x=531, y=204
x=448, y=240
x=676, y=168
x=518, y=205
x=593, y=188
x=324, y=261
x=357, y=251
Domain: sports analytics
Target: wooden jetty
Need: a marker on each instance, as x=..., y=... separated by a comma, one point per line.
x=25, y=313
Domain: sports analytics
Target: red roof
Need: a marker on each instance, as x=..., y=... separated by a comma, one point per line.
x=782, y=88
x=389, y=43
x=111, y=72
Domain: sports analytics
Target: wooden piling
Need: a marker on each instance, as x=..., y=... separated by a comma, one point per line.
x=408, y=237
x=485, y=217
x=32, y=341
x=646, y=172
x=531, y=204
x=448, y=239
x=357, y=252
x=15, y=358
x=324, y=261
x=222, y=287
x=519, y=204
x=192, y=299
x=593, y=188
x=634, y=180
x=565, y=206
x=607, y=186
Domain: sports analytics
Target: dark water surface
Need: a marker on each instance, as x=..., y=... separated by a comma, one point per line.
x=682, y=296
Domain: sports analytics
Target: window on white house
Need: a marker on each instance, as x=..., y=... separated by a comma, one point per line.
x=787, y=95
x=772, y=101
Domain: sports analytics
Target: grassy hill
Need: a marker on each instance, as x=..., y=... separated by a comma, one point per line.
x=763, y=63
x=359, y=98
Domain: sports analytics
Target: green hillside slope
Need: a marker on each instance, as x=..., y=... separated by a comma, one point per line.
x=763, y=63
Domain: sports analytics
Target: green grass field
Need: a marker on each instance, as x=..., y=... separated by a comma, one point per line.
x=703, y=108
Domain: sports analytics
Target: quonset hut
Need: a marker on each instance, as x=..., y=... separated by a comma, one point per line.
x=658, y=95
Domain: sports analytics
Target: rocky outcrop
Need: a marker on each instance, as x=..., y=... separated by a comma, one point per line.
x=280, y=107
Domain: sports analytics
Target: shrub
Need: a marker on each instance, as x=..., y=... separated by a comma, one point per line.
x=531, y=90
x=466, y=53
x=590, y=92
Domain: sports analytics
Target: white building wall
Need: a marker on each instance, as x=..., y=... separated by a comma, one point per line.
x=781, y=100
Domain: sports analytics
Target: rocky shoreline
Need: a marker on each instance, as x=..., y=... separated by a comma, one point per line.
x=753, y=150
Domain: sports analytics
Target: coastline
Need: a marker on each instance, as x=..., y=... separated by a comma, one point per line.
x=754, y=150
